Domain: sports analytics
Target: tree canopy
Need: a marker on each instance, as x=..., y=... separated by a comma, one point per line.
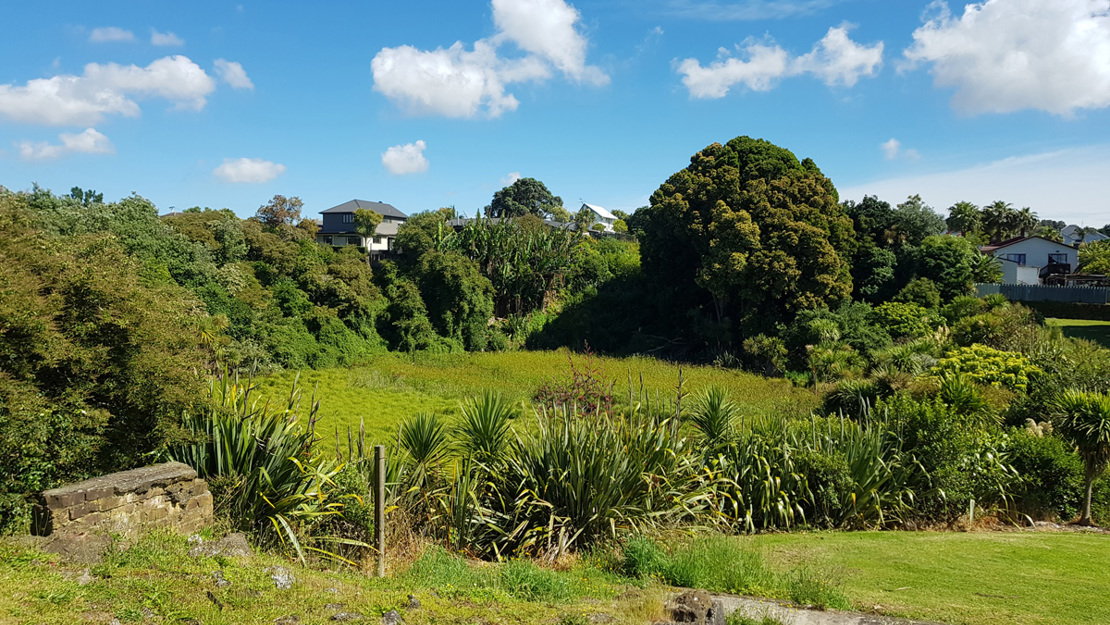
x=753, y=227
x=280, y=210
x=526, y=196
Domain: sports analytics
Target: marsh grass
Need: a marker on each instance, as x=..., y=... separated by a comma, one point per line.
x=392, y=387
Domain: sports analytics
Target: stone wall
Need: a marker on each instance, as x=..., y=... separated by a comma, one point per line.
x=162, y=495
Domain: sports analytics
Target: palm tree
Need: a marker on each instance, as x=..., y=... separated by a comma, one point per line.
x=998, y=220
x=1025, y=220
x=1084, y=419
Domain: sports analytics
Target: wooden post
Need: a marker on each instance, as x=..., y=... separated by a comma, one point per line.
x=379, y=506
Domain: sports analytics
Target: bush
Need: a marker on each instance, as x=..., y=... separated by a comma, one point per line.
x=920, y=291
x=1051, y=473
x=988, y=366
x=906, y=320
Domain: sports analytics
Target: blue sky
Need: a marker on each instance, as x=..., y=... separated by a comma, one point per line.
x=428, y=103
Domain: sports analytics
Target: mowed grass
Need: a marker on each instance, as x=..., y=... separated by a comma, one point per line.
x=393, y=387
x=1097, y=331
x=979, y=578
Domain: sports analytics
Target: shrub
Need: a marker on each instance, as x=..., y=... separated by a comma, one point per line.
x=1051, y=473
x=906, y=320
x=920, y=291
x=988, y=366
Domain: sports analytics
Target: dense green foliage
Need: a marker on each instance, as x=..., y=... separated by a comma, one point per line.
x=99, y=358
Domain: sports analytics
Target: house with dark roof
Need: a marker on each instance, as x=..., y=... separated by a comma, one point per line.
x=338, y=226
x=1028, y=260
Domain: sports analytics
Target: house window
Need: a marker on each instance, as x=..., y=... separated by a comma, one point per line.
x=377, y=240
x=348, y=218
x=354, y=241
x=1058, y=258
x=1017, y=258
x=327, y=240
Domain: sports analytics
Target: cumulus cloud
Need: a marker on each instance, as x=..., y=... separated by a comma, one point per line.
x=233, y=74
x=512, y=177
x=462, y=82
x=1002, y=56
x=547, y=28
x=893, y=149
x=248, y=170
x=107, y=34
x=107, y=89
x=165, y=39
x=405, y=159
x=88, y=142
x=835, y=59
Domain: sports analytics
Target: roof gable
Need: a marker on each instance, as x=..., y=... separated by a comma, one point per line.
x=1015, y=241
x=599, y=211
x=383, y=209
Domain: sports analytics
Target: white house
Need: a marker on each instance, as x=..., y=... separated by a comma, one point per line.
x=338, y=226
x=601, y=216
x=1027, y=260
x=1074, y=235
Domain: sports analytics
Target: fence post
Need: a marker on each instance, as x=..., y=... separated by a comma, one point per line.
x=379, y=506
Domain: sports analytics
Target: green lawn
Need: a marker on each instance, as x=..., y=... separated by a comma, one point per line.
x=393, y=387
x=983, y=578
x=1097, y=331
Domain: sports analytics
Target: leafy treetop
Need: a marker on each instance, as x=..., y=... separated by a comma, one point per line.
x=280, y=210
x=526, y=196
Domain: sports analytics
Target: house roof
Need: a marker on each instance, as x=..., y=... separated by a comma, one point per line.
x=601, y=212
x=385, y=210
x=987, y=249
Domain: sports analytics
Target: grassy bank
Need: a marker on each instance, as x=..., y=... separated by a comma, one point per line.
x=1090, y=329
x=393, y=387
x=996, y=578
x=158, y=580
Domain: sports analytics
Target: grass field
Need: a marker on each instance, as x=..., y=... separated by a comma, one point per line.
x=981, y=578
x=394, y=387
x=1097, y=331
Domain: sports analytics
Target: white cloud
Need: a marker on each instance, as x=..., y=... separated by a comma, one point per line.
x=107, y=89
x=108, y=34
x=165, y=39
x=893, y=149
x=835, y=59
x=1002, y=56
x=1066, y=185
x=457, y=82
x=405, y=159
x=547, y=28
x=248, y=170
x=512, y=177
x=88, y=142
x=233, y=74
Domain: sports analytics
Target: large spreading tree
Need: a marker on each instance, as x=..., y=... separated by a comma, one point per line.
x=526, y=196
x=752, y=227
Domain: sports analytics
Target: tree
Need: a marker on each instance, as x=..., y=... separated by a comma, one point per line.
x=1084, y=419
x=523, y=197
x=458, y=297
x=916, y=220
x=1025, y=221
x=999, y=221
x=947, y=261
x=964, y=218
x=1095, y=257
x=873, y=220
x=1050, y=233
x=86, y=197
x=748, y=224
x=280, y=210
x=366, y=222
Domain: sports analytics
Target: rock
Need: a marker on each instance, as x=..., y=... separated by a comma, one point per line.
x=283, y=577
x=392, y=618
x=292, y=619
x=692, y=606
x=221, y=582
x=114, y=621
x=347, y=616
x=233, y=545
x=147, y=613
x=78, y=548
x=334, y=607
x=331, y=590
x=212, y=597
x=413, y=604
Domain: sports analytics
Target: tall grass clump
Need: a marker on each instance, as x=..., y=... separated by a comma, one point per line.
x=260, y=459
